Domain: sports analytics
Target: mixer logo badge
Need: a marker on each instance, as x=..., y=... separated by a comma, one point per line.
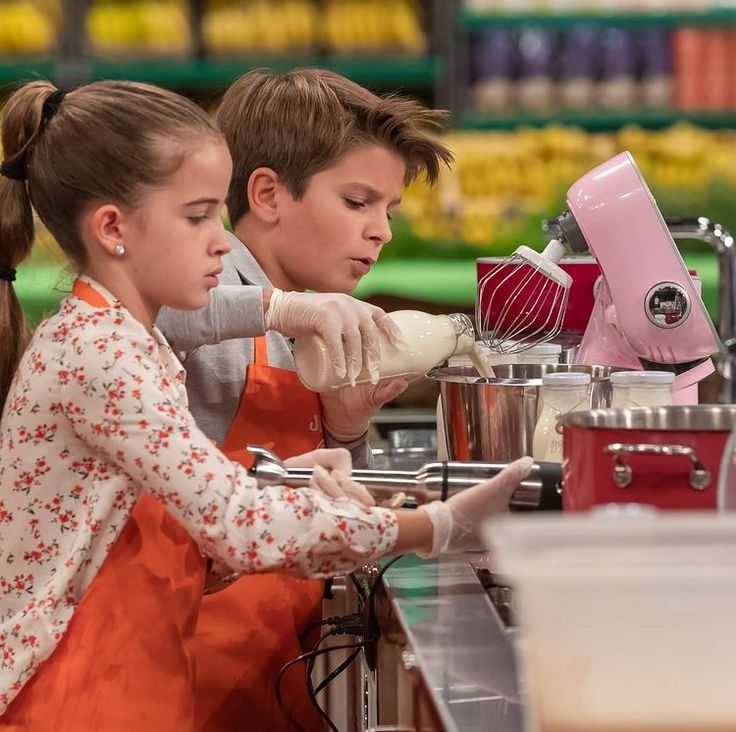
x=667, y=305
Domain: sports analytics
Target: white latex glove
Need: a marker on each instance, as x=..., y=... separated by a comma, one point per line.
x=332, y=466
x=455, y=521
x=349, y=327
x=347, y=412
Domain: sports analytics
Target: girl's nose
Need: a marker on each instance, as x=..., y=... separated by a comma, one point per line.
x=222, y=242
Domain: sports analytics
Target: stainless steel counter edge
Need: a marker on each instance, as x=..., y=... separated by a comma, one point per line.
x=460, y=647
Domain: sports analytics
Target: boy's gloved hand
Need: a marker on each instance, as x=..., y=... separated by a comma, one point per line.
x=347, y=412
x=349, y=327
x=455, y=521
x=332, y=468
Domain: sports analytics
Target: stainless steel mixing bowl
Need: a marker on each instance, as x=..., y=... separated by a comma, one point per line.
x=494, y=419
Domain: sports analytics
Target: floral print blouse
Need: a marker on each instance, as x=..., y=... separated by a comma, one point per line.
x=97, y=414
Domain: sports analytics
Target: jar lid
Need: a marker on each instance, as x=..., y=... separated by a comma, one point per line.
x=655, y=378
x=620, y=378
x=567, y=378
x=543, y=349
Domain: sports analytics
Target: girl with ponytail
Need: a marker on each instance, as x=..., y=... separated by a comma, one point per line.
x=111, y=498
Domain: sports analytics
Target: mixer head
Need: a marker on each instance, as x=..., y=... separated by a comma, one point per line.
x=521, y=302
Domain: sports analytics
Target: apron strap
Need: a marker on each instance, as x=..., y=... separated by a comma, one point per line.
x=88, y=294
x=260, y=351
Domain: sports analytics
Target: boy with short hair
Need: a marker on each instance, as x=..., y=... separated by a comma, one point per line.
x=318, y=165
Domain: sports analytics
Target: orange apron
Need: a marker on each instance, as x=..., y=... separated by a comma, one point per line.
x=126, y=661
x=249, y=630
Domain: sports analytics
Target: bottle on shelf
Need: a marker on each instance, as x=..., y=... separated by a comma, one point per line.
x=561, y=393
x=535, y=85
x=493, y=58
x=428, y=341
x=577, y=67
x=617, y=86
x=656, y=68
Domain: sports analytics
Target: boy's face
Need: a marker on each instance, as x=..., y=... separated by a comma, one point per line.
x=175, y=239
x=332, y=236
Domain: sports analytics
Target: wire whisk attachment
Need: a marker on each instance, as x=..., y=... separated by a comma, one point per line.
x=521, y=302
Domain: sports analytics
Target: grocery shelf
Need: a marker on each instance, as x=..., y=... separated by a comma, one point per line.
x=560, y=19
x=18, y=70
x=194, y=73
x=202, y=73
x=599, y=120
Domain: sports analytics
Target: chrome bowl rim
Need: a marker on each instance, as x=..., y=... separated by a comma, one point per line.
x=454, y=375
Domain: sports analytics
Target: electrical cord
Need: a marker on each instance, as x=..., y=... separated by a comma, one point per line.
x=362, y=624
x=333, y=621
x=308, y=680
x=337, y=671
x=305, y=657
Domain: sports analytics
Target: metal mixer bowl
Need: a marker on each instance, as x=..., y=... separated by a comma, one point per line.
x=494, y=419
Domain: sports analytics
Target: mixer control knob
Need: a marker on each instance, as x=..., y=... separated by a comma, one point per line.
x=667, y=305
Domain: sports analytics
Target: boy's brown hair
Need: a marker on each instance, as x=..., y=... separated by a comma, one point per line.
x=303, y=121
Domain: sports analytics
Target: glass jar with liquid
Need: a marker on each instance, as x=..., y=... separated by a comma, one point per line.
x=642, y=388
x=428, y=341
x=561, y=393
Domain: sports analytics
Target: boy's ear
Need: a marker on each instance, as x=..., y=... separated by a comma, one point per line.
x=105, y=227
x=263, y=188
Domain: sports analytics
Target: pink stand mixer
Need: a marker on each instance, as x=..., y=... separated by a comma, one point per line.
x=647, y=312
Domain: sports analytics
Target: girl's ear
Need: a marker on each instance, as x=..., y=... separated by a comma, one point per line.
x=104, y=227
x=263, y=190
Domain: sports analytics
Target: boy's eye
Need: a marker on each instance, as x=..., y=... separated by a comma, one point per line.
x=352, y=203
x=196, y=220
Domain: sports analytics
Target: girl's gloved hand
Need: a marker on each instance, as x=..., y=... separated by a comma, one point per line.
x=349, y=327
x=347, y=412
x=455, y=521
x=332, y=468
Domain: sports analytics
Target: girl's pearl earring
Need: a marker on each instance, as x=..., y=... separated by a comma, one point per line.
x=119, y=250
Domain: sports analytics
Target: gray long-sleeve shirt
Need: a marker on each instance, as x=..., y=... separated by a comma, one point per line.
x=215, y=345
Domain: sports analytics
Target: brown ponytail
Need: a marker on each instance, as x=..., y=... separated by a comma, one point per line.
x=20, y=126
x=110, y=141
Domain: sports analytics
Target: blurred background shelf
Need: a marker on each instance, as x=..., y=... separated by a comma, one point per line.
x=473, y=20
x=15, y=70
x=188, y=73
x=600, y=120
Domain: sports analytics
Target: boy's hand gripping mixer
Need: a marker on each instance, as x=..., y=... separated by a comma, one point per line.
x=648, y=314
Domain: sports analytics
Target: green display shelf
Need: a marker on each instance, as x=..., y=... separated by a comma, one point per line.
x=192, y=74
x=19, y=70
x=708, y=18
x=600, y=120
x=198, y=73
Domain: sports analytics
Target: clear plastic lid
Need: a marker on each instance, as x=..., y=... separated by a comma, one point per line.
x=653, y=378
x=571, y=378
x=543, y=349
x=620, y=378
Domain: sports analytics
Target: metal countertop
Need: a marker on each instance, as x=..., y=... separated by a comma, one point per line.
x=461, y=647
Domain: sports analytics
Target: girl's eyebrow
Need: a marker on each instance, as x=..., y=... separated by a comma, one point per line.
x=200, y=201
x=372, y=192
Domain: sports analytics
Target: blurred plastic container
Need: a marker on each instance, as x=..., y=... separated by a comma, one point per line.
x=625, y=620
